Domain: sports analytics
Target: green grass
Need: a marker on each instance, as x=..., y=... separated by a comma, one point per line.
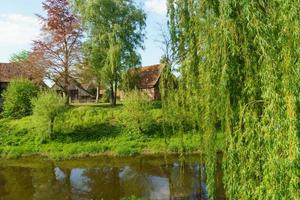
x=93, y=130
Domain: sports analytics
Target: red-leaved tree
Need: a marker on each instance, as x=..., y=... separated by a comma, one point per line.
x=58, y=49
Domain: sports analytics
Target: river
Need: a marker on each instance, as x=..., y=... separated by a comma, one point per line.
x=107, y=178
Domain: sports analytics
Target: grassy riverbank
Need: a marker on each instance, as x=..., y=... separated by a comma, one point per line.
x=93, y=130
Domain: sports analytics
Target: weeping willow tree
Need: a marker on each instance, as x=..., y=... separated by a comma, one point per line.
x=240, y=75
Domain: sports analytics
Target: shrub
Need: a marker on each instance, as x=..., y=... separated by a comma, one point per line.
x=136, y=115
x=17, y=98
x=47, y=107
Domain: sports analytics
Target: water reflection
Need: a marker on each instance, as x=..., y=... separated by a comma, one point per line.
x=103, y=178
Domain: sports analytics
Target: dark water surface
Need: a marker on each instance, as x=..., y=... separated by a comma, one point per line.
x=152, y=177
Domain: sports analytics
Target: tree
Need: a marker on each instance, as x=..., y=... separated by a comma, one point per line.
x=47, y=107
x=168, y=80
x=26, y=62
x=19, y=57
x=17, y=98
x=130, y=80
x=165, y=41
x=240, y=75
x=115, y=31
x=59, y=49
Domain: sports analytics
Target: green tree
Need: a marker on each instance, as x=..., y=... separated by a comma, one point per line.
x=19, y=57
x=17, y=98
x=115, y=30
x=240, y=75
x=47, y=107
x=130, y=80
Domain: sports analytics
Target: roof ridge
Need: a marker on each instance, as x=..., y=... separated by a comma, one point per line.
x=149, y=75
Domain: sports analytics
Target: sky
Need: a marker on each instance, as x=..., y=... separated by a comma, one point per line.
x=19, y=26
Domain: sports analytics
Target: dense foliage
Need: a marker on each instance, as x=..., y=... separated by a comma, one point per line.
x=90, y=130
x=17, y=98
x=115, y=32
x=47, y=106
x=135, y=116
x=240, y=74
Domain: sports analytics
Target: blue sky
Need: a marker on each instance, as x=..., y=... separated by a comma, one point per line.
x=19, y=26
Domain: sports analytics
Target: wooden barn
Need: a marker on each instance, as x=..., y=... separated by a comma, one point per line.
x=148, y=78
x=78, y=93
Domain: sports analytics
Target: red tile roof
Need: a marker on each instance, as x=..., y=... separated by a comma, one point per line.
x=148, y=76
x=10, y=71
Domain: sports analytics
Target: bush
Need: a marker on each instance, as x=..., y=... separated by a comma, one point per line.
x=47, y=107
x=136, y=115
x=17, y=98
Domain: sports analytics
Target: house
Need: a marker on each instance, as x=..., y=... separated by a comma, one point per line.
x=77, y=92
x=10, y=71
x=148, y=80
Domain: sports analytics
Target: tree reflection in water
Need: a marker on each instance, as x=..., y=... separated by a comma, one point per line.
x=103, y=178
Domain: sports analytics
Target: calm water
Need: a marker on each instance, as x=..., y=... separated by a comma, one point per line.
x=105, y=178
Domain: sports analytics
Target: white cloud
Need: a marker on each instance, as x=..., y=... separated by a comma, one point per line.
x=16, y=29
x=16, y=32
x=157, y=6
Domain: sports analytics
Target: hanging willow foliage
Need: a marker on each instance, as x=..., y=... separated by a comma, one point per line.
x=240, y=74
